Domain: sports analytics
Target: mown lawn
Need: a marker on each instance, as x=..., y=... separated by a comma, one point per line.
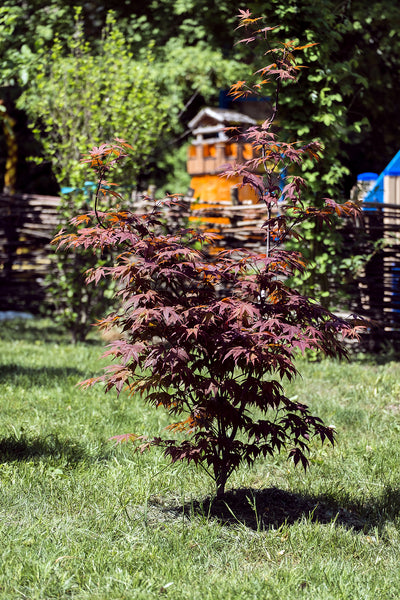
x=81, y=518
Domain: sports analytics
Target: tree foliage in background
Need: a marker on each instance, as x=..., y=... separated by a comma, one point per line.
x=189, y=69
x=78, y=98
x=354, y=84
x=358, y=58
x=25, y=29
x=347, y=98
x=212, y=341
x=349, y=101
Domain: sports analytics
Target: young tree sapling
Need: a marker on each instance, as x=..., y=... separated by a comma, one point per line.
x=211, y=341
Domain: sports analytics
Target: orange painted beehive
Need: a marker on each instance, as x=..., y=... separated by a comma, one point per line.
x=210, y=150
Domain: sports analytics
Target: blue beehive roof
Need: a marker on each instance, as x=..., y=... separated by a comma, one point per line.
x=375, y=194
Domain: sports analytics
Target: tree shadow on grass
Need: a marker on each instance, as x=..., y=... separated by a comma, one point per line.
x=273, y=507
x=23, y=448
x=29, y=376
x=40, y=330
x=32, y=330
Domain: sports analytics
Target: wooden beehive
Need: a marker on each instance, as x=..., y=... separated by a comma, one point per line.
x=221, y=205
x=210, y=151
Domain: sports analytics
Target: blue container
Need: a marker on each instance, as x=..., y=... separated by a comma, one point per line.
x=371, y=186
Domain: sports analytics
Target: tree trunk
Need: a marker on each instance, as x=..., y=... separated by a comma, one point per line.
x=221, y=479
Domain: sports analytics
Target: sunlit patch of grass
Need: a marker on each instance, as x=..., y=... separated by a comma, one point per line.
x=82, y=518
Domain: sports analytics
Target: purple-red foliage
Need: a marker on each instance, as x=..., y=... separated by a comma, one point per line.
x=211, y=341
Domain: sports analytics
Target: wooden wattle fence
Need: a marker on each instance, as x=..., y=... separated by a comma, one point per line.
x=28, y=223
x=379, y=284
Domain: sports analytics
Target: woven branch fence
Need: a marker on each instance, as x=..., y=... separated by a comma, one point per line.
x=28, y=223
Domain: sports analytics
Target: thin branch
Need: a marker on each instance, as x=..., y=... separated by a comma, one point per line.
x=96, y=198
x=188, y=103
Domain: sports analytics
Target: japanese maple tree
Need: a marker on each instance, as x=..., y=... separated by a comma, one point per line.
x=211, y=341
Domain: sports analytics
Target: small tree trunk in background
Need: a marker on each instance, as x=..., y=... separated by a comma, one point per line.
x=10, y=176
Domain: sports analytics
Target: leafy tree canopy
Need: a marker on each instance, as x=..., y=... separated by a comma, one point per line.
x=348, y=102
x=25, y=29
x=79, y=98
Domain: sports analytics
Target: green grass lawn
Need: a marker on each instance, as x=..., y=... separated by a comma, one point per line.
x=81, y=518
